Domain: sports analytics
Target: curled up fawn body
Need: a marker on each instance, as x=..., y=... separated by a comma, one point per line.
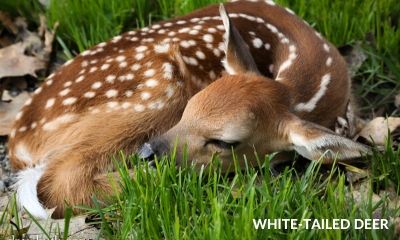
x=255, y=78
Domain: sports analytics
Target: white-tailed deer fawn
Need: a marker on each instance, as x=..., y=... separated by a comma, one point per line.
x=281, y=92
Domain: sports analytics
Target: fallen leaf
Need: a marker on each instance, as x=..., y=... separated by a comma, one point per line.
x=14, y=62
x=376, y=131
x=29, y=55
x=9, y=109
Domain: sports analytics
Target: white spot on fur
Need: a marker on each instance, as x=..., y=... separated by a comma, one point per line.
x=190, y=60
x=212, y=75
x=129, y=93
x=110, y=79
x=121, y=58
x=55, y=123
x=116, y=39
x=272, y=28
x=67, y=84
x=126, y=105
x=129, y=76
x=49, y=82
x=271, y=68
x=290, y=11
x=170, y=90
x=79, y=79
x=161, y=48
x=139, y=56
x=28, y=102
x=216, y=52
x=285, y=40
x=50, y=102
x=168, y=70
x=194, y=32
x=328, y=62
x=257, y=43
x=64, y=92
x=149, y=73
x=96, y=85
x=135, y=67
x=184, y=44
x=200, y=55
x=208, y=38
x=123, y=64
x=111, y=93
x=22, y=129
x=93, y=69
x=38, y=90
x=112, y=104
x=151, y=83
x=18, y=116
x=85, y=53
x=311, y=104
x=326, y=47
x=145, y=96
x=69, y=101
x=105, y=66
x=211, y=30
x=89, y=94
x=138, y=107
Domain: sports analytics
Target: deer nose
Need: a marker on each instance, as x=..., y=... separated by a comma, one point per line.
x=155, y=147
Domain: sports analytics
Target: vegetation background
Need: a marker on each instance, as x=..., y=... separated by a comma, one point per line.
x=171, y=203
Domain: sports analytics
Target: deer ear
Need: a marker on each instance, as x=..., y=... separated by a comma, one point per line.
x=315, y=142
x=238, y=58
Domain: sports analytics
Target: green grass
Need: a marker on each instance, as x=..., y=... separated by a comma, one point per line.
x=184, y=203
x=171, y=203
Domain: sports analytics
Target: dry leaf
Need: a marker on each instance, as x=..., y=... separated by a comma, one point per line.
x=376, y=131
x=29, y=55
x=14, y=62
x=9, y=109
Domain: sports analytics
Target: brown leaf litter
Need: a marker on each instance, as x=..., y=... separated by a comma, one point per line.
x=28, y=54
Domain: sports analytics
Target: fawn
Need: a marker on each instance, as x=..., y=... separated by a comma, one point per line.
x=284, y=87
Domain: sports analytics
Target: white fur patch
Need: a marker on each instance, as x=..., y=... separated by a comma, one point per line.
x=168, y=70
x=161, y=48
x=257, y=43
x=311, y=104
x=26, y=191
x=50, y=103
x=55, y=124
x=23, y=154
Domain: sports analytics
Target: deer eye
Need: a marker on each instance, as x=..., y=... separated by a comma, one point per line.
x=222, y=144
